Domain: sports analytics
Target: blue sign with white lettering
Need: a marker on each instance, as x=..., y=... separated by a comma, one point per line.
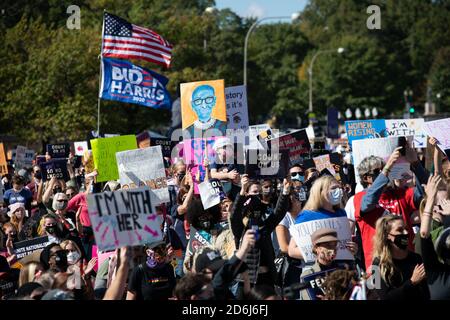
x=126, y=82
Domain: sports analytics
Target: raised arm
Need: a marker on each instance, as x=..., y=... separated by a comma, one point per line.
x=117, y=288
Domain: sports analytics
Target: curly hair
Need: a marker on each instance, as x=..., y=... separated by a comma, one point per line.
x=195, y=210
x=338, y=284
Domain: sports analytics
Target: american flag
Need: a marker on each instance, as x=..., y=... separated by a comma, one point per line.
x=122, y=39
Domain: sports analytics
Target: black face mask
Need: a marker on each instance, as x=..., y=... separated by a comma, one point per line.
x=38, y=175
x=61, y=260
x=401, y=241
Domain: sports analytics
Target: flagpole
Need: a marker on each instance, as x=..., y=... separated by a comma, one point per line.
x=100, y=77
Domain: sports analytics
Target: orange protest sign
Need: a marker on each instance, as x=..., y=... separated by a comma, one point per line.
x=3, y=163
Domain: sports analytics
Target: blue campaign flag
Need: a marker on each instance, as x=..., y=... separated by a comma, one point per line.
x=125, y=82
x=364, y=129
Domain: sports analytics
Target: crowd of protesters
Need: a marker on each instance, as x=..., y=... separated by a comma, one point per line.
x=400, y=228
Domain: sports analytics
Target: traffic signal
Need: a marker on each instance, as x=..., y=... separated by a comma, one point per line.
x=412, y=110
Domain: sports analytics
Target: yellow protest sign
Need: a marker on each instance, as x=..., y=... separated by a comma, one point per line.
x=104, y=154
x=3, y=163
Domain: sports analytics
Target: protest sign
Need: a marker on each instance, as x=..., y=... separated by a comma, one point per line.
x=60, y=150
x=125, y=82
x=408, y=127
x=124, y=218
x=165, y=143
x=211, y=193
x=29, y=156
x=144, y=167
x=314, y=283
x=203, y=107
x=40, y=159
x=302, y=232
x=296, y=142
x=80, y=147
x=3, y=162
x=382, y=147
x=237, y=110
x=265, y=163
x=197, y=240
x=55, y=168
x=363, y=129
x=324, y=162
x=332, y=123
x=104, y=154
x=19, y=160
x=440, y=130
x=253, y=133
x=24, y=248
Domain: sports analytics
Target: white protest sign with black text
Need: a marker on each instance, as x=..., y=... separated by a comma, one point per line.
x=302, y=232
x=237, y=110
x=210, y=193
x=124, y=218
x=141, y=167
x=408, y=127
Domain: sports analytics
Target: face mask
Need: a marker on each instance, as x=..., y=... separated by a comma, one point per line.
x=205, y=225
x=401, y=241
x=335, y=196
x=152, y=262
x=60, y=205
x=73, y=257
x=298, y=177
x=51, y=229
x=38, y=175
x=328, y=255
x=61, y=260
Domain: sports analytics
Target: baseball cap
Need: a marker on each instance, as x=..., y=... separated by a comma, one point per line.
x=209, y=258
x=13, y=207
x=324, y=235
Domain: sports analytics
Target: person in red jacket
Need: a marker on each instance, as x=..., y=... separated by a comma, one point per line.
x=384, y=197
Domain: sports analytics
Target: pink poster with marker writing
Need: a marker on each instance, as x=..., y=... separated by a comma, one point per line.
x=124, y=218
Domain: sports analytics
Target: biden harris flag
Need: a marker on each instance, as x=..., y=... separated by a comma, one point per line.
x=125, y=82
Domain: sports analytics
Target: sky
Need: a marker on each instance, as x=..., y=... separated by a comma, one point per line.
x=262, y=8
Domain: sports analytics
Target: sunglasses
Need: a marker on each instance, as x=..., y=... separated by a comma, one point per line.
x=373, y=173
x=293, y=174
x=70, y=194
x=61, y=200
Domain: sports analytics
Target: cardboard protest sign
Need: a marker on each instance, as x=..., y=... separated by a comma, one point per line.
x=80, y=147
x=24, y=248
x=302, y=232
x=253, y=133
x=237, y=110
x=363, y=129
x=125, y=82
x=265, y=163
x=203, y=107
x=60, y=150
x=3, y=162
x=211, y=193
x=165, y=143
x=382, y=147
x=19, y=160
x=55, y=168
x=124, y=218
x=324, y=162
x=144, y=167
x=296, y=142
x=408, y=127
x=314, y=283
x=440, y=130
x=104, y=154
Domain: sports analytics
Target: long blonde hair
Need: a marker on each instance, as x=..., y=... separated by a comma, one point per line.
x=41, y=228
x=382, y=249
x=319, y=193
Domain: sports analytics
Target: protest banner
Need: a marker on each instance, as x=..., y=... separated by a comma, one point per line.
x=302, y=232
x=203, y=107
x=19, y=159
x=3, y=162
x=55, y=168
x=211, y=193
x=27, y=247
x=314, y=283
x=408, y=127
x=296, y=142
x=237, y=110
x=60, y=150
x=144, y=167
x=382, y=147
x=125, y=82
x=124, y=218
x=440, y=130
x=363, y=129
x=104, y=154
x=80, y=147
x=324, y=162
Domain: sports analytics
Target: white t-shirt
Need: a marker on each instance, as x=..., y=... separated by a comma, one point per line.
x=350, y=209
x=287, y=222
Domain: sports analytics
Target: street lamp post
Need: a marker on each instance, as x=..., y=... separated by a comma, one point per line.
x=310, y=72
x=293, y=17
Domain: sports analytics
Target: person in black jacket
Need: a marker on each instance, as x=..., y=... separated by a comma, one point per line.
x=402, y=272
x=247, y=213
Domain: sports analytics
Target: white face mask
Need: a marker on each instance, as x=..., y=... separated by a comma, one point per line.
x=335, y=196
x=73, y=257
